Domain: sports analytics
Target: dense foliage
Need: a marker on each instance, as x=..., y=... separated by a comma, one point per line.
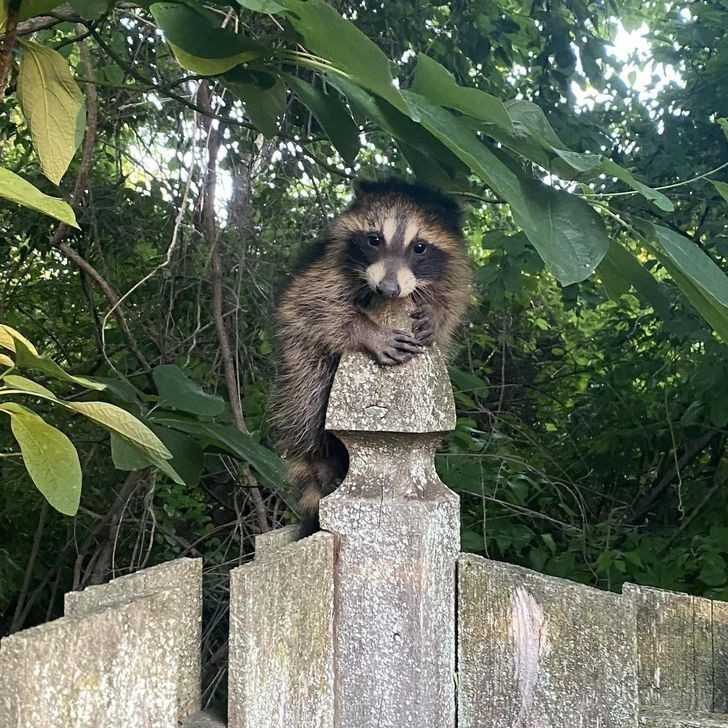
x=591, y=379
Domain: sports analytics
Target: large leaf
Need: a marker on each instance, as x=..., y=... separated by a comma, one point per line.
x=399, y=125
x=23, y=384
x=187, y=455
x=436, y=83
x=655, y=196
x=722, y=188
x=31, y=8
x=26, y=357
x=53, y=106
x=127, y=456
x=177, y=391
x=619, y=270
x=699, y=278
x=49, y=456
x=123, y=423
x=349, y=50
x=263, y=104
x=17, y=190
x=198, y=41
x=270, y=7
x=331, y=115
x=568, y=234
x=265, y=462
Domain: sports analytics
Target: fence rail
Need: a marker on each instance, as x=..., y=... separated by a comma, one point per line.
x=377, y=621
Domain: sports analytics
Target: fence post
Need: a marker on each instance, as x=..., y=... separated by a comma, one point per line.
x=398, y=531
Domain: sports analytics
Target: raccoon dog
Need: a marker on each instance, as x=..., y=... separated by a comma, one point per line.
x=395, y=240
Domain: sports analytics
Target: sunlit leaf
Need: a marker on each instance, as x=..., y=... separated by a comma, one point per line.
x=49, y=456
x=27, y=385
x=17, y=190
x=339, y=41
x=27, y=358
x=123, y=423
x=53, y=106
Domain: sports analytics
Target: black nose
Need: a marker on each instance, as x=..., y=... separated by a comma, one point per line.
x=388, y=289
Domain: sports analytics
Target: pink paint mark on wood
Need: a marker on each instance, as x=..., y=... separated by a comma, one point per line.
x=528, y=632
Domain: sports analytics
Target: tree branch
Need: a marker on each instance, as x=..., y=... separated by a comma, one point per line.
x=209, y=229
x=6, y=49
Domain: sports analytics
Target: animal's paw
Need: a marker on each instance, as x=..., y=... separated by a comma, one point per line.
x=393, y=346
x=424, y=325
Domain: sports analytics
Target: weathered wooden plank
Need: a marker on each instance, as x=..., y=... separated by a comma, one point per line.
x=720, y=657
x=265, y=542
x=656, y=718
x=282, y=638
x=181, y=579
x=539, y=652
x=399, y=538
x=108, y=668
x=675, y=649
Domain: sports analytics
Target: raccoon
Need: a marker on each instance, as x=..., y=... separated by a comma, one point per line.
x=395, y=240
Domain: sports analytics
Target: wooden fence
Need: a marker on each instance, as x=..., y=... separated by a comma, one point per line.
x=377, y=621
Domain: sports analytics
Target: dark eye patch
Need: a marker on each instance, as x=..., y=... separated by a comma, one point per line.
x=430, y=263
x=359, y=251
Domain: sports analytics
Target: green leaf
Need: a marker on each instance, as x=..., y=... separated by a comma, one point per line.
x=26, y=357
x=187, y=456
x=435, y=82
x=49, y=456
x=123, y=423
x=53, y=106
x=269, y=467
x=127, y=456
x=264, y=106
x=177, y=391
x=400, y=126
x=615, y=170
x=21, y=192
x=349, y=50
x=619, y=270
x=6, y=361
x=568, y=234
x=704, y=284
x=31, y=8
x=27, y=385
x=269, y=7
x=331, y=115
x=91, y=9
x=198, y=41
x=722, y=188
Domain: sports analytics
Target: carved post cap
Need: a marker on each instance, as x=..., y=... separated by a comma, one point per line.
x=414, y=397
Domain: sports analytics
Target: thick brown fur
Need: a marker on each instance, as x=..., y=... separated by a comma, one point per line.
x=322, y=314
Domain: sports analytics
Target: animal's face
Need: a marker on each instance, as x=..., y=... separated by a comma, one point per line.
x=394, y=246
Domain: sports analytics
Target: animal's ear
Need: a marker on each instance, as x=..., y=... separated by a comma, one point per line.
x=364, y=187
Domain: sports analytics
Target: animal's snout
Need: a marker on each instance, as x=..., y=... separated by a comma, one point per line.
x=388, y=289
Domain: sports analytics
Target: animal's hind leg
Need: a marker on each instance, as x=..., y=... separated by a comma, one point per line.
x=314, y=476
